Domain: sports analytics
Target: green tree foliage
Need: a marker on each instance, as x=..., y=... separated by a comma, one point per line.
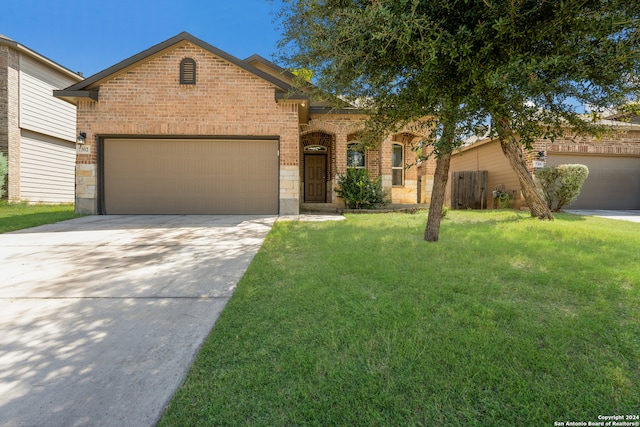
x=359, y=191
x=303, y=73
x=561, y=185
x=521, y=65
x=4, y=169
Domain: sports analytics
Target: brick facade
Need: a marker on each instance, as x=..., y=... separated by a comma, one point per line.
x=147, y=99
x=143, y=97
x=9, y=119
x=621, y=140
x=343, y=130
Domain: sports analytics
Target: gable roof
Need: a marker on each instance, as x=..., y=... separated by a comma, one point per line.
x=276, y=69
x=83, y=89
x=6, y=41
x=316, y=107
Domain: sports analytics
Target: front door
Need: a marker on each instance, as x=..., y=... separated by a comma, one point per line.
x=315, y=170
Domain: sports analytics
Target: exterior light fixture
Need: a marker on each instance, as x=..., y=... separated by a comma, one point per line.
x=82, y=137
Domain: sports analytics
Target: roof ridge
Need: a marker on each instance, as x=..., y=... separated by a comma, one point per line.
x=183, y=36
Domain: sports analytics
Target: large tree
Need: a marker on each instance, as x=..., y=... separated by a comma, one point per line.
x=523, y=65
x=375, y=72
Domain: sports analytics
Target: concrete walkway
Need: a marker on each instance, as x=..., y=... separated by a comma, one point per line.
x=628, y=215
x=101, y=316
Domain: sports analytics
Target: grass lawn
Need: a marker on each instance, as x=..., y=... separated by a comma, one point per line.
x=16, y=216
x=506, y=321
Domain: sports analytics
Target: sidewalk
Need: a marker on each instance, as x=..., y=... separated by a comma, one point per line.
x=627, y=215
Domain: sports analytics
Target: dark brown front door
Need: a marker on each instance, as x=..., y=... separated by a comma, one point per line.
x=315, y=169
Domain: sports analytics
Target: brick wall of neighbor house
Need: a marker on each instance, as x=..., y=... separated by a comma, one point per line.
x=620, y=141
x=226, y=100
x=486, y=155
x=9, y=118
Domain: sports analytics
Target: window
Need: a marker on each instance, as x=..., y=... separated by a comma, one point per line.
x=397, y=165
x=315, y=149
x=355, y=156
x=187, y=71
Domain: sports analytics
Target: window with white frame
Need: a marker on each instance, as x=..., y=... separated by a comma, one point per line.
x=397, y=165
x=355, y=156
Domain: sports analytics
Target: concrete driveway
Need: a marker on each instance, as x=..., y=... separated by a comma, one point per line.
x=623, y=215
x=101, y=316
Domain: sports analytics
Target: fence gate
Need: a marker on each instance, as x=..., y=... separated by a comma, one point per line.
x=469, y=189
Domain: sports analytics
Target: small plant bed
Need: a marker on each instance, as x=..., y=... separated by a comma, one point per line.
x=506, y=321
x=360, y=191
x=16, y=216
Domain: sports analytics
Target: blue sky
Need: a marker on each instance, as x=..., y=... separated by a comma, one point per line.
x=92, y=35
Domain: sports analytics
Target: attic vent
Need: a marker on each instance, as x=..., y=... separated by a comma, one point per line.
x=187, y=71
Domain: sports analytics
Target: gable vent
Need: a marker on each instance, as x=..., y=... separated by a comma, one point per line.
x=187, y=71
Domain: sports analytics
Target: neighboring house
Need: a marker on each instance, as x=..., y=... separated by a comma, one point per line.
x=37, y=131
x=613, y=161
x=185, y=128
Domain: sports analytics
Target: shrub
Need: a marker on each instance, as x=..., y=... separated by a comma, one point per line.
x=359, y=191
x=4, y=169
x=561, y=185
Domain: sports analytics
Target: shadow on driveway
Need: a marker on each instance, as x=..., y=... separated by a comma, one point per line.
x=101, y=316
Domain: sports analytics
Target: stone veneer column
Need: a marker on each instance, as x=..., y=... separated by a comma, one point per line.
x=428, y=189
x=385, y=165
x=289, y=190
x=86, y=189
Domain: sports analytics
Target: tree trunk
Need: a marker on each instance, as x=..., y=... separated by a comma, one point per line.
x=513, y=152
x=432, y=232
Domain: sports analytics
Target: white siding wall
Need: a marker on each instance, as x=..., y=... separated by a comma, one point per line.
x=47, y=169
x=39, y=110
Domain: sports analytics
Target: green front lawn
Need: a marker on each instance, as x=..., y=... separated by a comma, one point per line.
x=16, y=216
x=506, y=321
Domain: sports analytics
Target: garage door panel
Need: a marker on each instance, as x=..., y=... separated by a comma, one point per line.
x=190, y=176
x=613, y=182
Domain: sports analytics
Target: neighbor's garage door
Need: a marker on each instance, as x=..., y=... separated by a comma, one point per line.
x=190, y=176
x=613, y=182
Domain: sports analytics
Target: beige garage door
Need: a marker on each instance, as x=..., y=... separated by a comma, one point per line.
x=190, y=176
x=613, y=182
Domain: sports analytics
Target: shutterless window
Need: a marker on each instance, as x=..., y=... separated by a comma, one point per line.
x=187, y=71
x=355, y=156
x=397, y=165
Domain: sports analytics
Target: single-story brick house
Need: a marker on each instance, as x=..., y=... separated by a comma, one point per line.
x=185, y=128
x=613, y=161
x=37, y=131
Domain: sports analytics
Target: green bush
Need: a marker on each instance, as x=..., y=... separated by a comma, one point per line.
x=359, y=191
x=561, y=185
x=4, y=169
